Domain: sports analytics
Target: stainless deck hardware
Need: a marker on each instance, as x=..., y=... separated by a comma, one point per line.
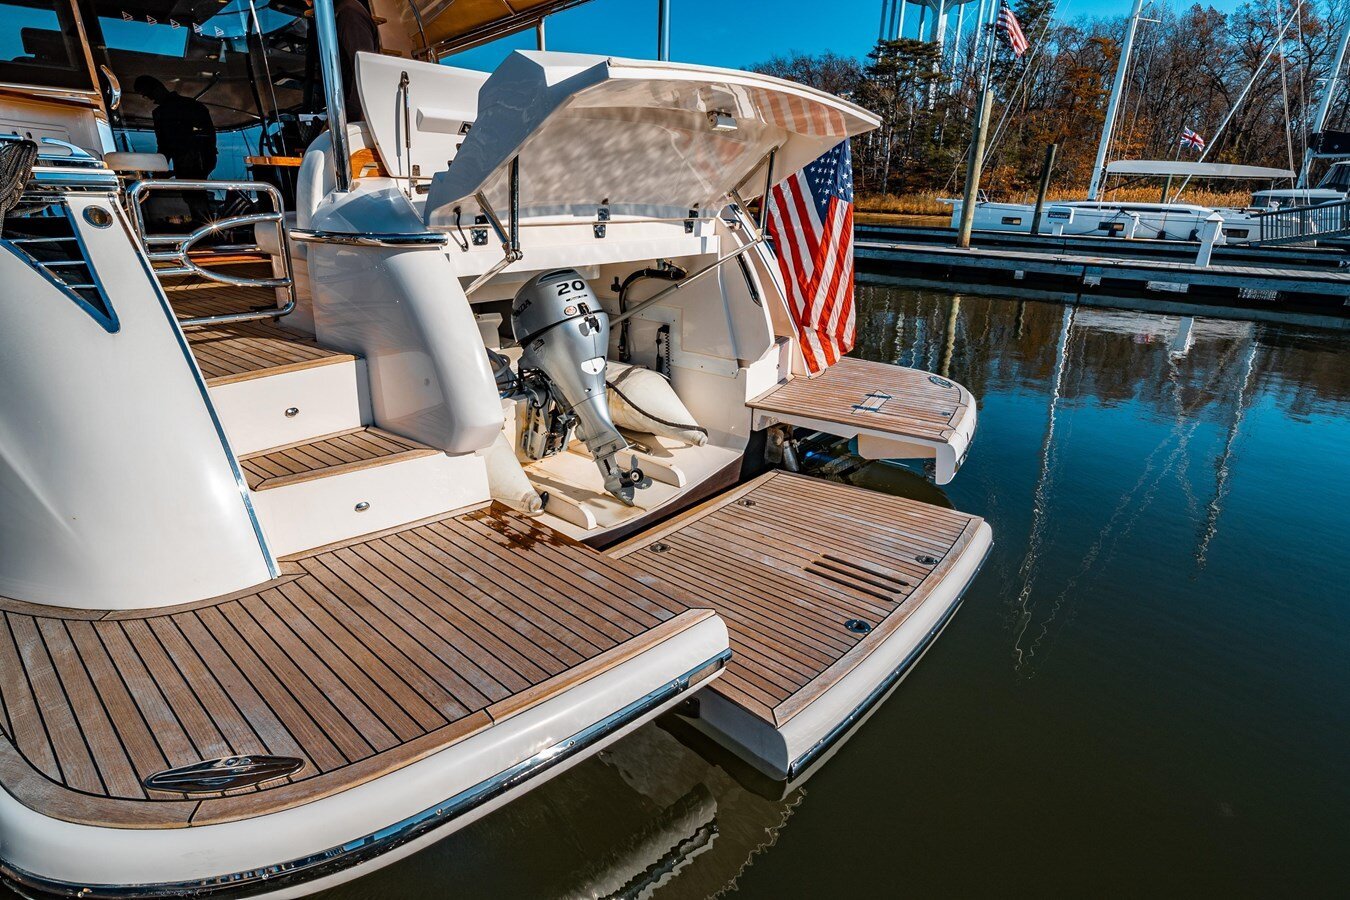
x=181, y=245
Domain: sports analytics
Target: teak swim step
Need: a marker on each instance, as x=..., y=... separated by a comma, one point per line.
x=893, y=411
x=361, y=659
x=830, y=593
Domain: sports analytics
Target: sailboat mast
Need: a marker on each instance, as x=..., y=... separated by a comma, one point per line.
x=1099, y=169
x=1320, y=120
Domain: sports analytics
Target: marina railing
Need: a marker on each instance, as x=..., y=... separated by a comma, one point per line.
x=176, y=248
x=1299, y=224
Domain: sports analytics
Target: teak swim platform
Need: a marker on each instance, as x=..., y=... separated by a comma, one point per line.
x=830, y=593
x=361, y=659
x=892, y=411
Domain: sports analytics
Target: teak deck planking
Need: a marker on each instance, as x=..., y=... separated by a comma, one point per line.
x=333, y=454
x=231, y=353
x=361, y=658
x=915, y=405
x=788, y=560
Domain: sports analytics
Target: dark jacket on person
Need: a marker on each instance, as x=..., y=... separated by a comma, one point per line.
x=356, y=33
x=185, y=135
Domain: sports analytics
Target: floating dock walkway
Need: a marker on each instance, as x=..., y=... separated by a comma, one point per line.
x=1276, y=279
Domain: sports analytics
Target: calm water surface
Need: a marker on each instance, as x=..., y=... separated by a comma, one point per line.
x=1147, y=689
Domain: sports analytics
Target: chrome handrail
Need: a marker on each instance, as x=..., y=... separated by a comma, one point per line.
x=182, y=244
x=430, y=239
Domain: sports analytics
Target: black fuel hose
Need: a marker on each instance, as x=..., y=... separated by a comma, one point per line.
x=665, y=273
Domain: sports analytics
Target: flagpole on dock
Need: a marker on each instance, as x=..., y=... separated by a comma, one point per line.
x=1112, y=105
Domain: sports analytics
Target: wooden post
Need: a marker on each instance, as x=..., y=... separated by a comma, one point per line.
x=973, y=168
x=1046, y=168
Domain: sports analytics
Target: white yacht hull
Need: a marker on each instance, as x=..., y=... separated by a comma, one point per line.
x=1155, y=221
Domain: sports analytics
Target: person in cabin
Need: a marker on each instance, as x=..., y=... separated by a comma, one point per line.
x=185, y=136
x=356, y=33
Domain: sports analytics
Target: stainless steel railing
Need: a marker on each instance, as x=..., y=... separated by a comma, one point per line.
x=180, y=245
x=1305, y=223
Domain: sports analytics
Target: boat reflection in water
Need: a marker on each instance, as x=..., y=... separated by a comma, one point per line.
x=645, y=814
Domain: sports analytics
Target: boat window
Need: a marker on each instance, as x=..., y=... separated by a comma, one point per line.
x=1337, y=178
x=40, y=45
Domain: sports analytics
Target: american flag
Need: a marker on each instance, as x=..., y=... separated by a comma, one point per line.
x=1012, y=30
x=811, y=223
x=1191, y=139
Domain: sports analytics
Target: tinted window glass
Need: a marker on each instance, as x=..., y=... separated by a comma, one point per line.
x=40, y=44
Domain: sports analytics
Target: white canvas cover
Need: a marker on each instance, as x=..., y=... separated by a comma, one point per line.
x=636, y=136
x=1188, y=169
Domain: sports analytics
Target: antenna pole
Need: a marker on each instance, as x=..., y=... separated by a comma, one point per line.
x=1099, y=168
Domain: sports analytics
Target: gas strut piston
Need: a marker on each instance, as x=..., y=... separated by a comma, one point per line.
x=564, y=334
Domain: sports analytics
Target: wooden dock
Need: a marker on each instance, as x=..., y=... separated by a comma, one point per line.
x=1322, y=289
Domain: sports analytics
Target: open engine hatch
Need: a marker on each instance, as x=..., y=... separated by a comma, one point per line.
x=639, y=137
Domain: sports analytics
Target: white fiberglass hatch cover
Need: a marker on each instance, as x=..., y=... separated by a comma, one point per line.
x=648, y=138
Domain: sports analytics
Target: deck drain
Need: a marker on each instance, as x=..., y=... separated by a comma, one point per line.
x=659, y=547
x=939, y=381
x=858, y=626
x=745, y=502
x=926, y=560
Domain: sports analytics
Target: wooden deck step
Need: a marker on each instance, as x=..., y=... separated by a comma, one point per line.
x=362, y=658
x=893, y=411
x=826, y=589
x=231, y=353
x=332, y=454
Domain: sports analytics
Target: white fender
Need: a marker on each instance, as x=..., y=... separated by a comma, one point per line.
x=641, y=400
x=506, y=479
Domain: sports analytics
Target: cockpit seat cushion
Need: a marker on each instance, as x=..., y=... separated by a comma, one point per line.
x=136, y=162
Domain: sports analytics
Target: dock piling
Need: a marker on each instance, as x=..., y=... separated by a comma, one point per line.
x=973, y=168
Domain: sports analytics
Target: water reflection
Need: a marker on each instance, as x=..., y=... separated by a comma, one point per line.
x=1147, y=679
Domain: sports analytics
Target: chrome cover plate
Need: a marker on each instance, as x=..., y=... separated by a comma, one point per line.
x=216, y=775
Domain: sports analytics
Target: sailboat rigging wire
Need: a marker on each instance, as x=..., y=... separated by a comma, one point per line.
x=1022, y=78
x=1237, y=104
x=1284, y=95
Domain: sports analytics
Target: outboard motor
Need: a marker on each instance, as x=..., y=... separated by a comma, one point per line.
x=564, y=333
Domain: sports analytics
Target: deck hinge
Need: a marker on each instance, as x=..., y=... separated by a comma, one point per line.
x=601, y=216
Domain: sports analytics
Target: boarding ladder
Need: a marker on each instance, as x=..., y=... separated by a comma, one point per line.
x=175, y=250
x=1304, y=224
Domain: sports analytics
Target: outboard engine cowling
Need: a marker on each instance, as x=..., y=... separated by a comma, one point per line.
x=564, y=333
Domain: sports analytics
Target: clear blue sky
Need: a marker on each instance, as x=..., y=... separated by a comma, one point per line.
x=736, y=33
